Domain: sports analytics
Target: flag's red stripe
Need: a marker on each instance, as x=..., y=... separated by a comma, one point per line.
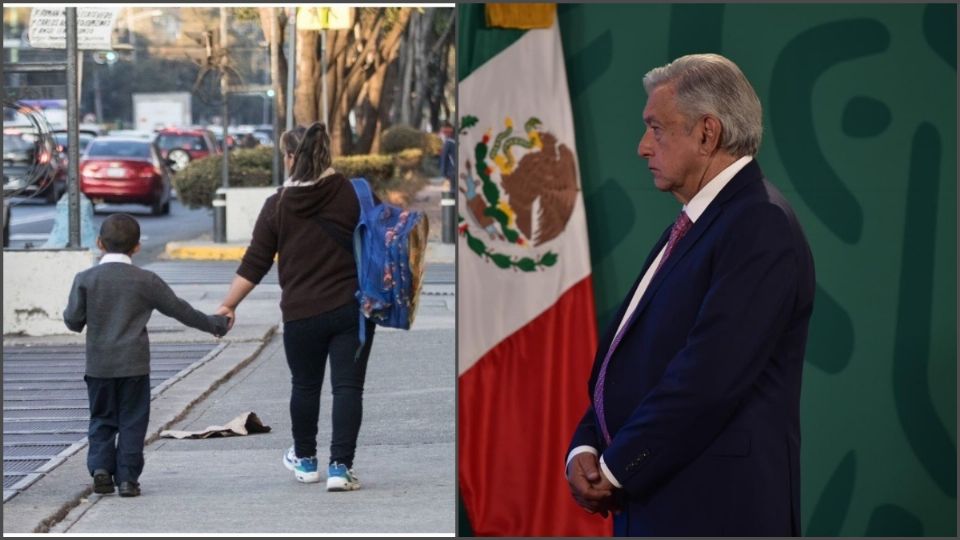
x=519, y=405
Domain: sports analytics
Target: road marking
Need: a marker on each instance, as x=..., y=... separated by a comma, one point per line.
x=46, y=216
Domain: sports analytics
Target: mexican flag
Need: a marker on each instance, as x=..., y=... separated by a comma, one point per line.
x=526, y=324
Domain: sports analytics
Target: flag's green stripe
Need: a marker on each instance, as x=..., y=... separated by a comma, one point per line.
x=477, y=43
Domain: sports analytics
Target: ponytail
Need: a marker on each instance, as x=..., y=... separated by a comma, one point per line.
x=312, y=156
x=290, y=140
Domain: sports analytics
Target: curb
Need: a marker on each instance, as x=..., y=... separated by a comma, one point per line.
x=205, y=251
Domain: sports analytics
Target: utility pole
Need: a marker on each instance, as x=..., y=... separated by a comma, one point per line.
x=291, y=69
x=323, y=76
x=291, y=66
x=276, y=164
x=97, y=98
x=219, y=201
x=73, y=130
x=225, y=92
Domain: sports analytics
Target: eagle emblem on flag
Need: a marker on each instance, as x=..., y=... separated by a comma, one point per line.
x=520, y=189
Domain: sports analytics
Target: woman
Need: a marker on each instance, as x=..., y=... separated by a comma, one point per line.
x=309, y=222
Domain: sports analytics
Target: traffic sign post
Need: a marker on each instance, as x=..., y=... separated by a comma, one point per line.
x=73, y=128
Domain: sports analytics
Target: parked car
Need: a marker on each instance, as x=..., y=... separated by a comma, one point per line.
x=264, y=133
x=217, y=132
x=183, y=145
x=126, y=171
x=60, y=135
x=31, y=165
x=145, y=135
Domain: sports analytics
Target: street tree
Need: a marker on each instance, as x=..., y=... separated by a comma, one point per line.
x=358, y=61
x=424, y=64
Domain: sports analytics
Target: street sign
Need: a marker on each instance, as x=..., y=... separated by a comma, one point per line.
x=94, y=27
x=323, y=17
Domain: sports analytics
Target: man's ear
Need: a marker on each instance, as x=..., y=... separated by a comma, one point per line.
x=710, y=136
x=136, y=249
x=100, y=245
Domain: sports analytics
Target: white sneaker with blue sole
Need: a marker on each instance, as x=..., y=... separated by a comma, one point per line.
x=304, y=469
x=340, y=478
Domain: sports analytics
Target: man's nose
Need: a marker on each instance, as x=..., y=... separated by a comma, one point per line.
x=644, y=149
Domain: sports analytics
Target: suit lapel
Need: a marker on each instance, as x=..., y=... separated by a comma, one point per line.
x=614, y=323
x=750, y=173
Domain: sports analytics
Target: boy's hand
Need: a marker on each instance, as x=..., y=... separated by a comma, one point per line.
x=221, y=325
x=229, y=313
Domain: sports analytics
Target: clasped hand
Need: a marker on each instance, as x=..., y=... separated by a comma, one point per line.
x=229, y=313
x=589, y=487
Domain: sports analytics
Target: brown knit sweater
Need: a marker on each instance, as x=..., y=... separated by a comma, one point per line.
x=316, y=273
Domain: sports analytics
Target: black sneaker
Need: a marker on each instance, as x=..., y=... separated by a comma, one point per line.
x=129, y=489
x=102, y=482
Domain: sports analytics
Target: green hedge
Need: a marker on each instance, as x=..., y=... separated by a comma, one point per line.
x=374, y=167
x=197, y=182
x=401, y=137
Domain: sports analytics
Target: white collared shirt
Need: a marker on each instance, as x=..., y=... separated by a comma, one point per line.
x=290, y=182
x=694, y=208
x=116, y=258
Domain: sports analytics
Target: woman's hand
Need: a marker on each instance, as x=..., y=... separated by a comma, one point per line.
x=239, y=289
x=229, y=313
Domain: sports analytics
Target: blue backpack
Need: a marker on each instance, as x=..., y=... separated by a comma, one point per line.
x=389, y=245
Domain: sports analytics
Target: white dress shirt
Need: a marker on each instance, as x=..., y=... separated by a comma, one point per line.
x=694, y=209
x=116, y=257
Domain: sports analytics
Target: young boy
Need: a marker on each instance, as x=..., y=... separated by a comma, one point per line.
x=115, y=300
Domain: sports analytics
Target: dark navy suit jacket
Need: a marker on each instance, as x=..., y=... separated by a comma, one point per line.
x=702, y=396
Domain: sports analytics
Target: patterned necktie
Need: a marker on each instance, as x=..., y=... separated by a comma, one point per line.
x=680, y=228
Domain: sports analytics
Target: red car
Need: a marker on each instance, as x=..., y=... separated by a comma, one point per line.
x=183, y=145
x=123, y=170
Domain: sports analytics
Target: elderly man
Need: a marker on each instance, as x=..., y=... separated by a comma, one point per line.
x=694, y=427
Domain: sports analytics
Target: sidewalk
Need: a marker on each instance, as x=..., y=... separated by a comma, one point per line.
x=405, y=455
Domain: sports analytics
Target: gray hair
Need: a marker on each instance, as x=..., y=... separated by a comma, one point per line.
x=711, y=84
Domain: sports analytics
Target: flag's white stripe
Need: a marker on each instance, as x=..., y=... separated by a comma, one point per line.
x=527, y=79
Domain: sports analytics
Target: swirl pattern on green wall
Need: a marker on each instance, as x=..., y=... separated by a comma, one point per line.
x=798, y=67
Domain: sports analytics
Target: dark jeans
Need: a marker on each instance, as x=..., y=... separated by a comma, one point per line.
x=307, y=343
x=118, y=406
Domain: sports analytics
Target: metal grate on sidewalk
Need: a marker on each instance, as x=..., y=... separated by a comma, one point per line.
x=45, y=410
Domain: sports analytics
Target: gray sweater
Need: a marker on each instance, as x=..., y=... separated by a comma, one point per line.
x=115, y=300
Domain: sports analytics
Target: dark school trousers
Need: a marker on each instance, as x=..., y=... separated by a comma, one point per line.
x=119, y=414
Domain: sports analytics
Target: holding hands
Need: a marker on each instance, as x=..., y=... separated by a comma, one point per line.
x=229, y=313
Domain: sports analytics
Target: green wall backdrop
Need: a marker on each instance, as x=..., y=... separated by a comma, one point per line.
x=860, y=135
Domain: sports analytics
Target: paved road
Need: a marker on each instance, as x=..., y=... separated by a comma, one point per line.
x=31, y=221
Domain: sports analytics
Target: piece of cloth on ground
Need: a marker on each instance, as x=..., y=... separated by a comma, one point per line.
x=247, y=423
